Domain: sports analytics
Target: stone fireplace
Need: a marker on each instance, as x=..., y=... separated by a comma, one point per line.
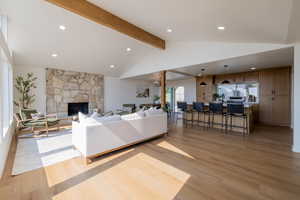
x=67, y=87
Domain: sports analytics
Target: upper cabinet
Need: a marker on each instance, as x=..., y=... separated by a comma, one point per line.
x=251, y=76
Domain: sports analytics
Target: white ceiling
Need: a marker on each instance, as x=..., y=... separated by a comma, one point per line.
x=87, y=46
x=271, y=59
x=197, y=20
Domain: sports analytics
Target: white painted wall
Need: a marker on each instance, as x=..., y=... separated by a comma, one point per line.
x=5, y=146
x=294, y=37
x=189, y=88
x=294, y=25
x=296, y=145
x=5, y=139
x=118, y=92
x=40, y=91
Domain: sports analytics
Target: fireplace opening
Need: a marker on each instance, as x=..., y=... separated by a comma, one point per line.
x=75, y=108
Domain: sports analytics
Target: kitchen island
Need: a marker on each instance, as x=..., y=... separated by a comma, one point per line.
x=192, y=117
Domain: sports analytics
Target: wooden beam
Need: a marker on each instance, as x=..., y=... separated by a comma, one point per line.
x=182, y=73
x=103, y=17
x=163, y=88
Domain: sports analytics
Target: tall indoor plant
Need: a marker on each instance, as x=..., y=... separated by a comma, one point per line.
x=24, y=85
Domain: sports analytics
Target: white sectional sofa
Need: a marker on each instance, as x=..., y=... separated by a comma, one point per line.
x=94, y=139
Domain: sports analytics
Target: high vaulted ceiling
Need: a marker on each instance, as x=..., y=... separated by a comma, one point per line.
x=86, y=46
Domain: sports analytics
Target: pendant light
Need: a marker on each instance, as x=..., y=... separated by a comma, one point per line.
x=226, y=81
x=203, y=83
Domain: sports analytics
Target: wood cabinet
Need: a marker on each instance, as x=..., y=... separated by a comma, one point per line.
x=205, y=93
x=274, y=106
x=251, y=77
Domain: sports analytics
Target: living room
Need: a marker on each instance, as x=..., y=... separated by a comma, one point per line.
x=149, y=100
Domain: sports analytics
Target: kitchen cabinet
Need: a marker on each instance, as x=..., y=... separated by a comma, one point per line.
x=274, y=106
x=251, y=76
x=205, y=92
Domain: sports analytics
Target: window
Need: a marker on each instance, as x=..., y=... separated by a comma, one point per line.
x=6, y=87
x=3, y=26
x=248, y=91
x=179, y=95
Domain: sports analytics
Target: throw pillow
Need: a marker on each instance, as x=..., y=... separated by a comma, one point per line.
x=82, y=117
x=37, y=116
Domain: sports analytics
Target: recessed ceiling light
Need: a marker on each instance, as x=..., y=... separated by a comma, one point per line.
x=169, y=30
x=128, y=49
x=221, y=28
x=54, y=55
x=62, y=27
x=112, y=66
x=253, y=68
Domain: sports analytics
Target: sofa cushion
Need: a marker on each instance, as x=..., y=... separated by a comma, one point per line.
x=36, y=116
x=82, y=117
x=154, y=111
x=26, y=113
x=110, y=118
x=97, y=120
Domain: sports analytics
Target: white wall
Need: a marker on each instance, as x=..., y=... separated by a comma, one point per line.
x=118, y=92
x=189, y=88
x=5, y=146
x=40, y=91
x=5, y=140
x=296, y=145
x=294, y=25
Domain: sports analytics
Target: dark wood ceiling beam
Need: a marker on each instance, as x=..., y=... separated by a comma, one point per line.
x=103, y=17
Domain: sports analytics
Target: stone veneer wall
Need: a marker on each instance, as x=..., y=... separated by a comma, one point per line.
x=65, y=87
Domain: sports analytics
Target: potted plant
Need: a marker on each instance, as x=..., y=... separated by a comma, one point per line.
x=156, y=98
x=216, y=97
x=24, y=85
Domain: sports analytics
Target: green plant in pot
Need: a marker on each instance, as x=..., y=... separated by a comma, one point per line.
x=24, y=86
x=216, y=96
x=156, y=98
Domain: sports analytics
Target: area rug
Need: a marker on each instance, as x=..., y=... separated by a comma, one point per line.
x=35, y=153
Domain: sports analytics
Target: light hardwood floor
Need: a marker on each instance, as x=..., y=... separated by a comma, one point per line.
x=188, y=164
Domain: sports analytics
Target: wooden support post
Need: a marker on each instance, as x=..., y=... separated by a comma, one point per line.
x=163, y=88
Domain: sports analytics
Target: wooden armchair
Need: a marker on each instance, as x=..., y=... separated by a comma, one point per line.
x=24, y=120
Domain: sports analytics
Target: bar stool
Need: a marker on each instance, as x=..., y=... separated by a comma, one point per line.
x=181, y=108
x=216, y=109
x=237, y=111
x=200, y=109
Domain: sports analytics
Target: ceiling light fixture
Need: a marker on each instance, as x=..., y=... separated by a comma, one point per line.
x=128, y=49
x=253, y=68
x=169, y=30
x=62, y=27
x=112, y=66
x=222, y=28
x=226, y=81
x=54, y=55
x=202, y=73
